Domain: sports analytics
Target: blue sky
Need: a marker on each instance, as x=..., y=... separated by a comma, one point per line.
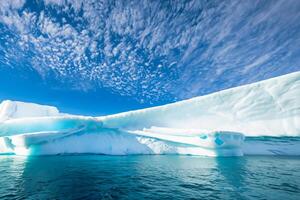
x=101, y=57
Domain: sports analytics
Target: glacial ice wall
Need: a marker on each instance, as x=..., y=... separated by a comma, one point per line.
x=211, y=125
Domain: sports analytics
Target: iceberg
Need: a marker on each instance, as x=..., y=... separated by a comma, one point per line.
x=233, y=122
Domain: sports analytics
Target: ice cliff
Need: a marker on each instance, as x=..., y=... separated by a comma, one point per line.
x=212, y=125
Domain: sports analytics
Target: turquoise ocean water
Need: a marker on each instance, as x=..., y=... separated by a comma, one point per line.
x=149, y=177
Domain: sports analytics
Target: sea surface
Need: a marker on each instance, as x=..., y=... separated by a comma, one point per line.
x=149, y=177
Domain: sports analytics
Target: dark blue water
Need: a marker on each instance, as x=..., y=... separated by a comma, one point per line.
x=149, y=177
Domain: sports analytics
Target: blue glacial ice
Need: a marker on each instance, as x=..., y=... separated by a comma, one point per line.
x=247, y=120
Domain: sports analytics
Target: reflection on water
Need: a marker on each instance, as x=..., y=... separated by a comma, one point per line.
x=155, y=177
x=233, y=171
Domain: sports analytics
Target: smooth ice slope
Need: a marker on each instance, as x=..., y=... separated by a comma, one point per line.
x=211, y=125
x=266, y=108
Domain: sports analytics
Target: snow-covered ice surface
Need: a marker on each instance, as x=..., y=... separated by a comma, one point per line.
x=256, y=119
x=16, y=109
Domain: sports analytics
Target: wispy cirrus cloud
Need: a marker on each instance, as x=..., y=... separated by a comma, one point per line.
x=153, y=50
